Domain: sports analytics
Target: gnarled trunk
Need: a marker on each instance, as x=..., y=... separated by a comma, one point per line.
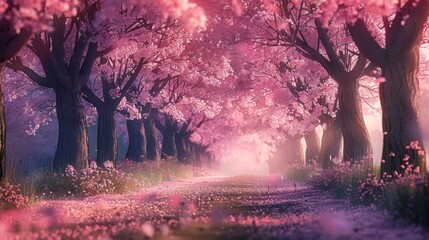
x=137, y=143
x=107, y=140
x=399, y=96
x=331, y=144
x=357, y=144
x=153, y=146
x=312, y=152
x=73, y=134
x=2, y=128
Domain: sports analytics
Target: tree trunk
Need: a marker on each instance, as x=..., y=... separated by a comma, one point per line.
x=73, y=134
x=196, y=152
x=137, y=143
x=107, y=140
x=357, y=144
x=2, y=128
x=169, y=143
x=287, y=152
x=295, y=150
x=182, y=152
x=153, y=146
x=11, y=43
x=312, y=152
x=277, y=162
x=400, y=96
x=331, y=144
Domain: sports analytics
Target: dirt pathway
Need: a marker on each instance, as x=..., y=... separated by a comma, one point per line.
x=245, y=207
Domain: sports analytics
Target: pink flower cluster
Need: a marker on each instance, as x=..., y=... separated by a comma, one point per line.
x=405, y=194
x=11, y=197
x=91, y=181
x=330, y=178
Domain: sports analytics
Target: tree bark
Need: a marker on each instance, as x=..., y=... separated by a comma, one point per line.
x=137, y=144
x=168, y=130
x=312, y=152
x=2, y=128
x=400, y=96
x=197, y=152
x=72, y=146
x=182, y=151
x=10, y=44
x=357, y=145
x=107, y=140
x=153, y=146
x=331, y=143
x=169, y=148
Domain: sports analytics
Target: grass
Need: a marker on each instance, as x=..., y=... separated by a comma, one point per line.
x=155, y=172
x=130, y=176
x=405, y=196
x=408, y=197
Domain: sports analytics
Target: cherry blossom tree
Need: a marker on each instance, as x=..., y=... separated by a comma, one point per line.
x=18, y=20
x=88, y=34
x=67, y=71
x=114, y=89
x=397, y=54
x=299, y=26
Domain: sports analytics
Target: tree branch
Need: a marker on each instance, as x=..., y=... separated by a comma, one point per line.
x=366, y=42
x=48, y=61
x=132, y=78
x=359, y=67
x=17, y=65
x=89, y=96
x=410, y=34
x=11, y=44
x=324, y=38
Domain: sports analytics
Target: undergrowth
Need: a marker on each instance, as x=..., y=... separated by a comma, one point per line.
x=129, y=176
x=405, y=195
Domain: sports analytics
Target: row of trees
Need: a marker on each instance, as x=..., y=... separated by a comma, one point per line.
x=351, y=48
x=205, y=73
x=76, y=54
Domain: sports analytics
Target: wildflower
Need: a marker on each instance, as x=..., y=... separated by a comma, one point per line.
x=93, y=165
x=108, y=164
x=70, y=170
x=406, y=158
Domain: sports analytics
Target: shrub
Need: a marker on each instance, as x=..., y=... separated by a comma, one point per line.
x=300, y=171
x=87, y=182
x=129, y=176
x=408, y=197
x=11, y=197
x=404, y=195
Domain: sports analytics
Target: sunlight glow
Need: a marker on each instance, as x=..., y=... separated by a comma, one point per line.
x=240, y=159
